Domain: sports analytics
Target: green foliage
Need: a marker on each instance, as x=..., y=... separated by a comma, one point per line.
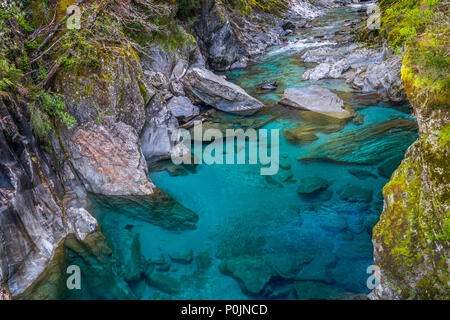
x=46, y=108
x=9, y=75
x=188, y=8
x=247, y=6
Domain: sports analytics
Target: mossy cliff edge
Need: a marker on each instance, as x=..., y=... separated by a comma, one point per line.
x=411, y=239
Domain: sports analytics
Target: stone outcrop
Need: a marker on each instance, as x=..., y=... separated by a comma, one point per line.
x=215, y=91
x=369, y=70
x=37, y=212
x=108, y=159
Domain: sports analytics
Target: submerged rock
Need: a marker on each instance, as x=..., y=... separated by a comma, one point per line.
x=164, y=282
x=269, y=86
x=356, y=193
x=129, y=249
x=371, y=144
x=184, y=257
x=219, y=93
x=311, y=290
x=317, y=99
x=362, y=174
x=159, y=209
x=312, y=184
x=388, y=167
x=254, y=272
x=299, y=135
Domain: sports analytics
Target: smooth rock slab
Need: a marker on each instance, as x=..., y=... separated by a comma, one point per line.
x=316, y=99
x=219, y=93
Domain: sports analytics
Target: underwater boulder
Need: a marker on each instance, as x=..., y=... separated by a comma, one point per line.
x=297, y=135
x=311, y=290
x=387, y=167
x=164, y=283
x=310, y=185
x=184, y=257
x=370, y=144
x=362, y=174
x=253, y=273
x=356, y=193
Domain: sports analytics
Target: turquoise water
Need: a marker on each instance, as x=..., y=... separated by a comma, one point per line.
x=260, y=223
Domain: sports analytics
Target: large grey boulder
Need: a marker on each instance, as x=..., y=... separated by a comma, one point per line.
x=108, y=159
x=219, y=93
x=316, y=99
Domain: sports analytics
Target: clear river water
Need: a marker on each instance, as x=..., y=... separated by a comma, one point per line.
x=293, y=246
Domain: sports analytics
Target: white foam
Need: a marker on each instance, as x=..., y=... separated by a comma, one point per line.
x=300, y=45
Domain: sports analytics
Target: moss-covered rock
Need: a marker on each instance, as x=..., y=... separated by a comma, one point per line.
x=411, y=240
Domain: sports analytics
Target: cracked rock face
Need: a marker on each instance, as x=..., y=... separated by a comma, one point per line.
x=108, y=159
x=34, y=216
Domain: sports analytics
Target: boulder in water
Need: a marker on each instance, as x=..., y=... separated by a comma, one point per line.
x=310, y=290
x=184, y=257
x=269, y=86
x=164, y=282
x=310, y=185
x=362, y=174
x=370, y=144
x=219, y=93
x=356, y=193
x=388, y=167
x=316, y=99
